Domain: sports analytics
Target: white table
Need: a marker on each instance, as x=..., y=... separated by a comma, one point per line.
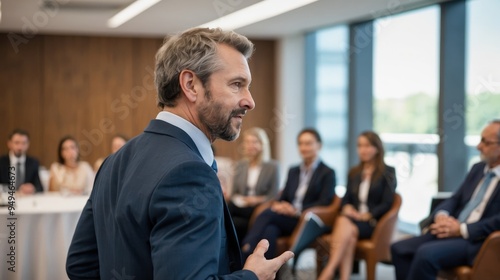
x=43, y=231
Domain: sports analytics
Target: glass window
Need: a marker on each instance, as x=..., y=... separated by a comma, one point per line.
x=482, y=72
x=406, y=73
x=331, y=82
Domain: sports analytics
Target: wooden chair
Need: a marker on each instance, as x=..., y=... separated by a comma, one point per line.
x=326, y=213
x=486, y=265
x=376, y=249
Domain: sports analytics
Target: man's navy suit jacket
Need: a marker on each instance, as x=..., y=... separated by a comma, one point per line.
x=490, y=220
x=30, y=172
x=156, y=212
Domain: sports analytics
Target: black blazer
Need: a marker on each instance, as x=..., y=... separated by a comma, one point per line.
x=31, y=172
x=321, y=187
x=380, y=195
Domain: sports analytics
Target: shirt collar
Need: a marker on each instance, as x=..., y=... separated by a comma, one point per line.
x=13, y=159
x=313, y=167
x=495, y=170
x=199, y=138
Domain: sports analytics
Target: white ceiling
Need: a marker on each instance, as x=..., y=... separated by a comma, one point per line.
x=171, y=16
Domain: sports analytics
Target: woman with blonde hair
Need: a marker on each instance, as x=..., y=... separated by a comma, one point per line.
x=256, y=178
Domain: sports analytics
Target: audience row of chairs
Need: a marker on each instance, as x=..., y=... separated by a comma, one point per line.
x=377, y=249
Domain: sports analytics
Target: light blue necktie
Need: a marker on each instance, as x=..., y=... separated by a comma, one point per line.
x=474, y=202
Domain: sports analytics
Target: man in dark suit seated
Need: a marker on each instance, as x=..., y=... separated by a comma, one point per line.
x=23, y=166
x=460, y=224
x=157, y=210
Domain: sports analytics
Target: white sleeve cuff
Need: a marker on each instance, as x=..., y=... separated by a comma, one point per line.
x=463, y=230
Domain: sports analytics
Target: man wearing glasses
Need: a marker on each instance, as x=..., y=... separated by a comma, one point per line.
x=460, y=224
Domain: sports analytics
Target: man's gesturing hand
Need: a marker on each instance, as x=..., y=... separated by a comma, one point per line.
x=265, y=269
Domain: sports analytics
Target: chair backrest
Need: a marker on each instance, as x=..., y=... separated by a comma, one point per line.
x=486, y=264
x=382, y=235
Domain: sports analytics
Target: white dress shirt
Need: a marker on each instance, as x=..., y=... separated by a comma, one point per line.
x=252, y=177
x=364, y=188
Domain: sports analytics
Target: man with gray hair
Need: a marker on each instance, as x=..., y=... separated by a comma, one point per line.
x=157, y=210
x=458, y=226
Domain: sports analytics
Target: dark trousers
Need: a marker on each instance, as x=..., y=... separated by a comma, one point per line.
x=421, y=257
x=269, y=225
x=241, y=217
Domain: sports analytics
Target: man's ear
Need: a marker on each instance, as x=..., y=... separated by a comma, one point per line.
x=188, y=81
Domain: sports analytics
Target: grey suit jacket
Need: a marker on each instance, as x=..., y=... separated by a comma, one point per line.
x=268, y=181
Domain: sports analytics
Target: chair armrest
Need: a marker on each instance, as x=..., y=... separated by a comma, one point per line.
x=487, y=260
x=383, y=233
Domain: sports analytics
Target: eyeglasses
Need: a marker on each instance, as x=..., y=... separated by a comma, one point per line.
x=488, y=143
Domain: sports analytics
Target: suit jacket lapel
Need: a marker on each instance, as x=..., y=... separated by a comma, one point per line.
x=28, y=168
x=244, y=177
x=263, y=177
x=356, y=181
x=314, y=177
x=295, y=185
x=235, y=259
x=495, y=193
x=475, y=183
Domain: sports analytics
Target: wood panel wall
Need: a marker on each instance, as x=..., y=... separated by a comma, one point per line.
x=95, y=87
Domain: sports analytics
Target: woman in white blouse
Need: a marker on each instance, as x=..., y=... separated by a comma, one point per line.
x=369, y=195
x=70, y=175
x=255, y=179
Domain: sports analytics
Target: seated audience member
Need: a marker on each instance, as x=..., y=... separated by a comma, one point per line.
x=116, y=143
x=369, y=195
x=312, y=183
x=460, y=224
x=255, y=180
x=70, y=175
x=24, y=166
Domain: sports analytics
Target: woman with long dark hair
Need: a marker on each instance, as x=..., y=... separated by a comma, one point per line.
x=369, y=195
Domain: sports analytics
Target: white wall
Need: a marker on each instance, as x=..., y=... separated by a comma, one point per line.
x=289, y=114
